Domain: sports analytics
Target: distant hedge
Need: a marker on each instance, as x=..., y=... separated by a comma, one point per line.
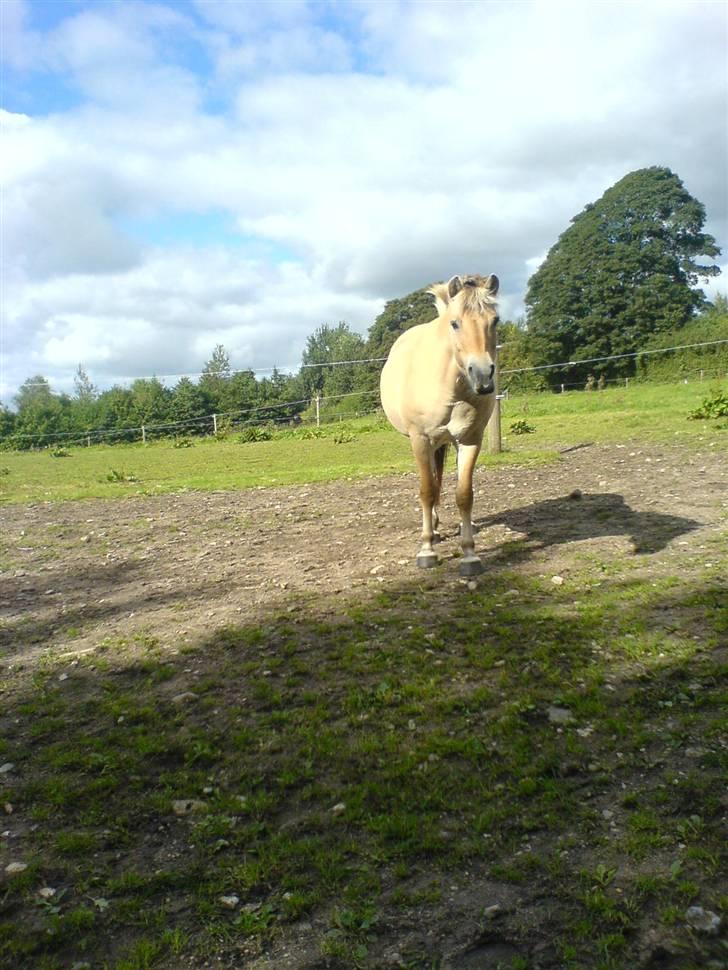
x=711, y=325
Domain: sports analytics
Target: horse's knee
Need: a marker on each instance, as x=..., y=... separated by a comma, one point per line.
x=427, y=493
x=464, y=498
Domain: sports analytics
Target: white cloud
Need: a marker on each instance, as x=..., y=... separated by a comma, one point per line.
x=463, y=141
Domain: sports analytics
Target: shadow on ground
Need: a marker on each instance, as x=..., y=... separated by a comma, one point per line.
x=428, y=776
x=590, y=516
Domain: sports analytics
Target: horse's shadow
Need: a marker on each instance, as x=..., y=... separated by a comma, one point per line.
x=568, y=519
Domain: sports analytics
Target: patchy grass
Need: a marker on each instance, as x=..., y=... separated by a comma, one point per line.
x=353, y=449
x=103, y=471
x=349, y=761
x=642, y=412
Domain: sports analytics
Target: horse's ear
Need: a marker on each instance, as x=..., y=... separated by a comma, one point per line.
x=492, y=284
x=442, y=298
x=454, y=285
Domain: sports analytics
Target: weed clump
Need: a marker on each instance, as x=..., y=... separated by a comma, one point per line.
x=116, y=475
x=714, y=406
x=522, y=427
x=255, y=433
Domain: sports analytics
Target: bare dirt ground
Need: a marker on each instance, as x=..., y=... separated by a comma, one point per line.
x=174, y=566
x=79, y=575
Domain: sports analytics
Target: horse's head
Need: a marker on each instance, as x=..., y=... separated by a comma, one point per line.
x=467, y=307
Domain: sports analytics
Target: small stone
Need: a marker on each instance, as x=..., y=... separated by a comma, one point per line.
x=8, y=808
x=557, y=580
x=472, y=585
x=560, y=715
x=490, y=912
x=46, y=892
x=338, y=808
x=8, y=766
x=607, y=815
x=188, y=806
x=15, y=867
x=63, y=677
x=229, y=902
x=186, y=697
x=702, y=920
x=575, y=495
x=375, y=569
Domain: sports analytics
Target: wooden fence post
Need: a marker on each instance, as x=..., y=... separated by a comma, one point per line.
x=214, y=424
x=144, y=435
x=318, y=410
x=494, y=425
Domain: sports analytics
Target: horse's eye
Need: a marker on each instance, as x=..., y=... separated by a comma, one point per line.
x=454, y=324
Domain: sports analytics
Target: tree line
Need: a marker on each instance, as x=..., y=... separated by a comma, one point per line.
x=621, y=278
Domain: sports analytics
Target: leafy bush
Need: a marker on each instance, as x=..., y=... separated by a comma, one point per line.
x=4, y=471
x=255, y=433
x=343, y=437
x=60, y=453
x=715, y=406
x=120, y=476
x=183, y=443
x=522, y=427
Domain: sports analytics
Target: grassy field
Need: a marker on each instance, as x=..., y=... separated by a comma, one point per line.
x=350, y=450
x=531, y=770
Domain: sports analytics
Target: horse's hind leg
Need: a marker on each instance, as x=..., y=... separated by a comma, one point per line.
x=422, y=451
x=470, y=565
x=439, y=467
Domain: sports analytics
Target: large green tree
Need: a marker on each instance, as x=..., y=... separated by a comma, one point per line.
x=215, y=378
x=41, y=413
x=624, y=269
x=327, y=344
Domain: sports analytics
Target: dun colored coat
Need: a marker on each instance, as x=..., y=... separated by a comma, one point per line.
x=437, y=388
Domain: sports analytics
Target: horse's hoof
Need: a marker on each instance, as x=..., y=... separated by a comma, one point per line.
x=426, y=560
x=470, y=566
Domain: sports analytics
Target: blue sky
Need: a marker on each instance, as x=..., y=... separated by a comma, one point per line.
x=177, y=175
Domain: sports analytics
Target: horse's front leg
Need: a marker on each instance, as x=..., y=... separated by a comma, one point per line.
x=470, y=564
x=422, y=451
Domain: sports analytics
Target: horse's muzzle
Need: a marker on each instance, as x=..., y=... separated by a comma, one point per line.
x=486, y=388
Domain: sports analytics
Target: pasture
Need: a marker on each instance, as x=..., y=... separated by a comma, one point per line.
x=239, y=728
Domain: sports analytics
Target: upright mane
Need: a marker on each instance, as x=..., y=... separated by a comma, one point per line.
x=476, y=294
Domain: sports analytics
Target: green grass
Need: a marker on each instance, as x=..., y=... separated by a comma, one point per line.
x=353, y=449
x=351, y=768
x=358, y=756
x=644, y=412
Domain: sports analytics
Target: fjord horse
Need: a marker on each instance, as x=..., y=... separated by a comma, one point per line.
x=437, y=387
